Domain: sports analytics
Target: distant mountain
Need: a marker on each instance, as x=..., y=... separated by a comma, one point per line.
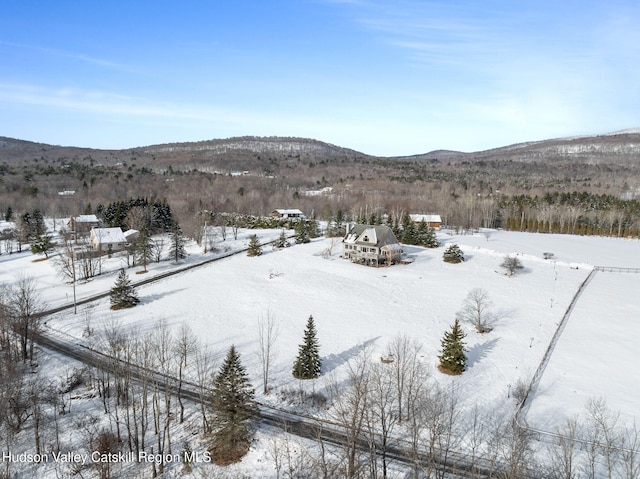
x=241, y=152
x=246, y=152
x=254, y=144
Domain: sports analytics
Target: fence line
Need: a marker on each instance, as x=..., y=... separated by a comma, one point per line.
x=616, y=269
x=524, y=405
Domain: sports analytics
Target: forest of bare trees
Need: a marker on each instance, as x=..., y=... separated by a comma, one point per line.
x=517, y=189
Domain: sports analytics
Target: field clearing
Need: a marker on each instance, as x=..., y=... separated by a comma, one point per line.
x=596, y=356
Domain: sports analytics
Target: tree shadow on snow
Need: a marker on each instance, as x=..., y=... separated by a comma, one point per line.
x=332, y=361
x=480, y=351
x=150, y=298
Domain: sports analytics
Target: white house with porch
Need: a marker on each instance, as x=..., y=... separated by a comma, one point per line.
x=371, y=245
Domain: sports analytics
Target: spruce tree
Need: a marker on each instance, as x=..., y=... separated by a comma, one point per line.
x=254, y=246
x=426, y=236
x=282, y=241
x=144, y=248
x=123, y=295
x=177, y=251
x=308, y=364
x=453, y=358
x=409, y=233
x=453, y=254
x=302, y=232
x=42, y=245
x=233, y=407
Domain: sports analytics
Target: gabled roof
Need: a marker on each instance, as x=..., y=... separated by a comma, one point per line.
x=378, y=235
x=426, y=218
x=108, y=235
x=289, y=211
x=131, y=235
x=86, y=219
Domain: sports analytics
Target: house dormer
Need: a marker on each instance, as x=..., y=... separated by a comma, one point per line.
x=369, y=236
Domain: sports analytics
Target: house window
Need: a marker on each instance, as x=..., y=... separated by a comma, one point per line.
x=366, y=239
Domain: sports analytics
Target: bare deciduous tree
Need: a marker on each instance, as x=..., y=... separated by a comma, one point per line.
x=184, y=347
x=563, y=460
x=476, y=309
x=350, y=404
x=381, y=417
x=25, y=308
x=268, y=332
x=512, y=265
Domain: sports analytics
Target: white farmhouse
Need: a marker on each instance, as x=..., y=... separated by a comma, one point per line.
x=104, y=239
x=371, y=245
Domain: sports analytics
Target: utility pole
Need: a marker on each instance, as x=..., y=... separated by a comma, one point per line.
x=73, y=267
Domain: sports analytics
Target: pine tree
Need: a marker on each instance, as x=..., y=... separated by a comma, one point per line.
x=453, y=254
x=453, y=358
x=123, y=295
x=409, y=233
x=426, y=236
x=282, y=241
x=313, y=228
x=178, y=241
x=254, y=246
x=233, y=408
x=302, y=232
x=42, y=245
x=308, y=364
x=144, y=248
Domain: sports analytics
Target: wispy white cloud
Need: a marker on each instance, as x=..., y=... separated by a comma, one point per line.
x=547, y=66
x=127, y=109
x=70, y=55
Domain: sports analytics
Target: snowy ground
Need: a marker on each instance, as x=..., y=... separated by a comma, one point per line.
x=596, y=357
x=356, y=306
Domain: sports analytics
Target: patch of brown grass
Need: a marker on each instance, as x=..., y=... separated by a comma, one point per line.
x=447, y=371
x=225, y=454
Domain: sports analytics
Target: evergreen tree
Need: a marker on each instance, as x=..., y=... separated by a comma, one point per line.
x=38, y=219
x=32, y=225
x=339, y=223
x=426, y=236
x=8, y=216
x=409, y=232
x=313, y=228
x=144, y=248
x=308, y=364
x=453, y=254
x=453, y=358
x=42, y=245
x=177, y=251
x=282, y=241
x=302, y=232
x=123, y=295
x=254, y=246
x=233, y=408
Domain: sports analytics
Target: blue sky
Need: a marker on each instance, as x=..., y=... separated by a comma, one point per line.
x=382, y=77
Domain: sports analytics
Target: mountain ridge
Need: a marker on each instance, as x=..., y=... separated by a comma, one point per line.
x=622, y=146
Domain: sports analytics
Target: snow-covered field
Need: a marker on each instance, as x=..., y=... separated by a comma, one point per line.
x=356, y=306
